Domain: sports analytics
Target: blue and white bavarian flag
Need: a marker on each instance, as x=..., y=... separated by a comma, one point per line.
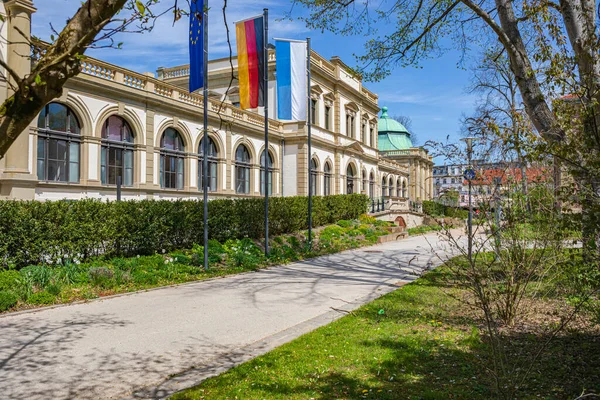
x=291, y=79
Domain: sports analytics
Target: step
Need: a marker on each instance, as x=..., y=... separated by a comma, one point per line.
x=392, y=237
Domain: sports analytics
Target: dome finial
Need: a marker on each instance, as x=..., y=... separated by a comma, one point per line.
x=384, y=112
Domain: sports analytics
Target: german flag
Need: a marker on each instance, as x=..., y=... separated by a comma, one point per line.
x=251, y=61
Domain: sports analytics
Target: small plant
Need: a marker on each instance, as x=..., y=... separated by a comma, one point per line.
x=243, y=253
x=41, y=298
x=37, y=276
x=7, y=300
x=54, y=289
x=69, y=273
x=345, y=223
x=100, y=276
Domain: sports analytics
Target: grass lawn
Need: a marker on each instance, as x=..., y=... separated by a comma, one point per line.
x=414, y=343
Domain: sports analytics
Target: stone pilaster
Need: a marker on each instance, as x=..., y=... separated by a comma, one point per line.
x=16, y=179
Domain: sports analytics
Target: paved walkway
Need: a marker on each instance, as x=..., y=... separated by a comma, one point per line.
x=150, y=344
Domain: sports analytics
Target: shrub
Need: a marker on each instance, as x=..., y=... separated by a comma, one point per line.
x=436, y=209
x=54, y=289
x=52, y=232
x=9, y=279
x=7, y=300
x=40, y=298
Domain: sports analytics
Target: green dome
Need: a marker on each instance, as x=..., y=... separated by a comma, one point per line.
x=392, y=134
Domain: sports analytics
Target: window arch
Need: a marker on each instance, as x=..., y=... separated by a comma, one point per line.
x=404, y=188
x=391, y=187
x=398, y=188
x=116, y=158
x=314, y=176
x=269, y=173
x=172, y=155
x=350, y=174
x=364, y=181
x=212, y=164
x=58, y=143
x=242, y=169
x=384, y=187
x=327, y=179
x=371, y=185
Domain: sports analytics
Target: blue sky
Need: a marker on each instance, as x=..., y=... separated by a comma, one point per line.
x=433, y=96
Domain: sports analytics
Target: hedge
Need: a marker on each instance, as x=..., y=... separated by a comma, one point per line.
x=33, y=232
x=436, y=209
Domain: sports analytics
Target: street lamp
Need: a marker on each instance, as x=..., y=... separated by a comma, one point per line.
x=469, y=175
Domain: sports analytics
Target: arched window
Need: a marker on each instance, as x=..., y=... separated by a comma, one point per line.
x=242, y=170
x=383, y=186
x=371, y=185
x=314, y=176
x=404, y=189
x=390, y=187
x=327, y=179
x=212, y=164
x=116, y=158
x=58, y=144
x=398, y=188
x=171, y=160
x=364, y=181
x=350, y=179
x=269, y=173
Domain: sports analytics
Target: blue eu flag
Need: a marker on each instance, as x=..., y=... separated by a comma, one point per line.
x=196, y=45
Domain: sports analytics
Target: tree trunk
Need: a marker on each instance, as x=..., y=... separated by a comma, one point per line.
x=60, y=62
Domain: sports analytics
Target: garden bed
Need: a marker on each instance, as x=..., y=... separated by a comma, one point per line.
x=73, y=280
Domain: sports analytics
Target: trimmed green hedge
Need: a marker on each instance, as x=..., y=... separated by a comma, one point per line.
x=33, y=232
x=439, y=210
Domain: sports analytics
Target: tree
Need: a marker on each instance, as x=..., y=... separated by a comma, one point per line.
x=94, y=24
x=406, y=121
x=562, y=38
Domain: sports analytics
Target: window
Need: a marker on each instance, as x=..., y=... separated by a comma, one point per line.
x=363, y=132
x=349, y=180
x=384, y=187
x=364, y=181
x=171, y=160
x=116, y=157
x=327, y=180
x=328, y=117
x=269, y=173
x=313, y=176
x=373, y=142
x=390, y=187
x=58, y=144
x=350, y=125
x=242, y=170
x=313, y=111
x=404, y=189
x=444, y=181
x=453, y=180
x=398, y=188
x=371, y=185
x=212, y=165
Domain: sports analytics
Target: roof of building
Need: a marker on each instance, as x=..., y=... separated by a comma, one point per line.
x=511, y=175
x=392, y=134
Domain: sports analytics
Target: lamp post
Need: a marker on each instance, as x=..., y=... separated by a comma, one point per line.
x=469, y=176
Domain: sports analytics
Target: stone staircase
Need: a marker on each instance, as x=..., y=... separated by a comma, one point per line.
x=395, y=233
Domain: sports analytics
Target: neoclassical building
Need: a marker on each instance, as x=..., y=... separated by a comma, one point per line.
x=145, y=129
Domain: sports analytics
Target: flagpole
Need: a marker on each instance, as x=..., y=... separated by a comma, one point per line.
x=308, y=125
x=266, y=105
x=205, y=138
